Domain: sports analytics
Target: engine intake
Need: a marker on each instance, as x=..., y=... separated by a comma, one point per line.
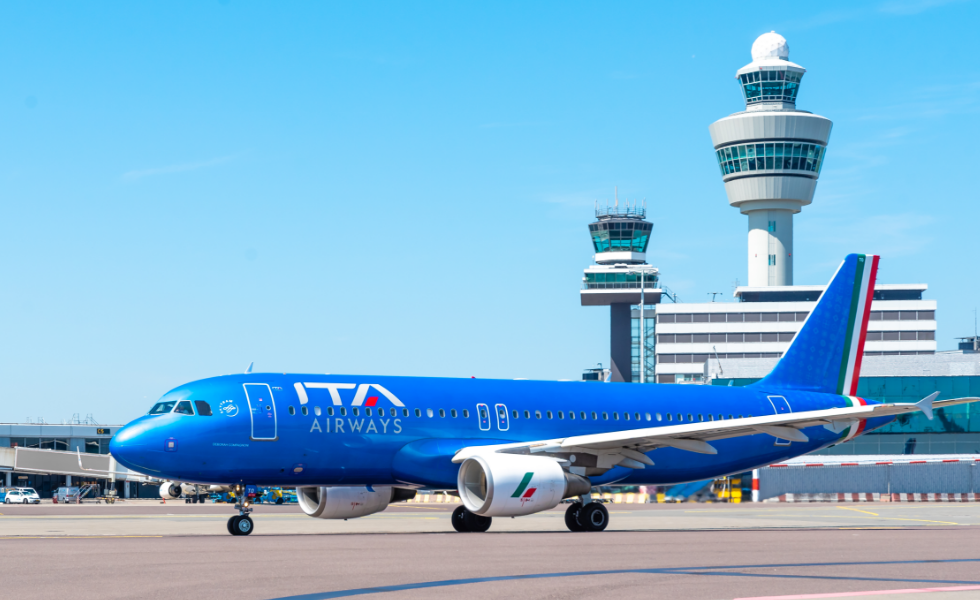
x=348, y=502
x=170, y=490
x=508, y=485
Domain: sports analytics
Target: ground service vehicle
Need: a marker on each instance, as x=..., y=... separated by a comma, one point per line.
x=351, y=445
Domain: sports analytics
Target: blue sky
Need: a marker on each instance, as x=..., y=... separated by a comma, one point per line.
x=398, y=188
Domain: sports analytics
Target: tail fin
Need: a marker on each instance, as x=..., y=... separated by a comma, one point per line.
x=825, y=356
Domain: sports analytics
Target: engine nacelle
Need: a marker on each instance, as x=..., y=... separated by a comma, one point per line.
x=348, y=502
x=170, y=490
x=510, y=485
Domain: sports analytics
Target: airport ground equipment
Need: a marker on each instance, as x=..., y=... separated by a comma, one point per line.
x=352, y=445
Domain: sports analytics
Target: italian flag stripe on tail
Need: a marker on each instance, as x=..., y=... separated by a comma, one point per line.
x=857, y=324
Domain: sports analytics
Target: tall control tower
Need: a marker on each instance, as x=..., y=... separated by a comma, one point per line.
x=770, y=157
x=620, y=279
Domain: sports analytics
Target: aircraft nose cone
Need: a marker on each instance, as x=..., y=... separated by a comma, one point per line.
x=129, y=446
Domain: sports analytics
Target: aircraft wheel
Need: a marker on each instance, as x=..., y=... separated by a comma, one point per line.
x=459, y=519
x=572, y=516
x=594, y=517
x=243, y=525
x=476, y=523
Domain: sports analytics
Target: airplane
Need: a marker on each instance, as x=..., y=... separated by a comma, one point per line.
x=352, y=445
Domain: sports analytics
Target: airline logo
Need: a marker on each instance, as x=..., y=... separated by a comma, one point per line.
x=361, y=397
x=523, y=491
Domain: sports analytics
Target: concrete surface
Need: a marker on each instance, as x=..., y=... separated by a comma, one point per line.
x=149, y=550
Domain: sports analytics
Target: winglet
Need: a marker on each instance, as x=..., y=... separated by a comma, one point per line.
x=925, y=405
x=249, y=369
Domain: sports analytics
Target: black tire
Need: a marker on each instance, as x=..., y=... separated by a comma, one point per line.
x=476, y=523
x=278, y=500
x=244, y=525
x=571, y=517
x=459, y=520
x=594, y=517
x=232, y=521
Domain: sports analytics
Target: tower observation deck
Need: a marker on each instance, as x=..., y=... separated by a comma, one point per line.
x=770, y=156
x=620, y=279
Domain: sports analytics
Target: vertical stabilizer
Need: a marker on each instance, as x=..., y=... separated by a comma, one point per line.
x=825, y=355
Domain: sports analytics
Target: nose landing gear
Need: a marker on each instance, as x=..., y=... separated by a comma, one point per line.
x=241, y=524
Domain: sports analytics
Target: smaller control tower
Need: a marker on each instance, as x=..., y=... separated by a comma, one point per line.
x=620, y=279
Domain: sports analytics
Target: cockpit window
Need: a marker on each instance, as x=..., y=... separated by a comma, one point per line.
x=162, y=408
x=184, y=408
x=203, y=408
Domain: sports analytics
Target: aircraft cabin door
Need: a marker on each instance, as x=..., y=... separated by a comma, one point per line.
x=483, y=412
x=503, y=423
x=262, y=408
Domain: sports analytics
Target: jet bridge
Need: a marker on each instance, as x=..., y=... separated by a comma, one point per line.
x=55, y=462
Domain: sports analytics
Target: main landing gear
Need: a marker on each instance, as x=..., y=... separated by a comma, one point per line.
x=241, y=524
x=466, y=522
x=592, y=516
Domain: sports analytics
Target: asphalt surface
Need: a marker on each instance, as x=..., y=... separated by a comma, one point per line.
x=683, y=551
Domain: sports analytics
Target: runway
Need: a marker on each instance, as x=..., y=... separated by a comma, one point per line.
x=672, y=551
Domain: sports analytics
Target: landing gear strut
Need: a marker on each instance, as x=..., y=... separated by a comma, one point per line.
x=466, y=522
x=593, y=516
x=241, y=524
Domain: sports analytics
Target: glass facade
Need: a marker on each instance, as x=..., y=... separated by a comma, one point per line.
x=620, y=235
x=770, y=86
x=651, y=348
x=616, y=281
x=771, y=156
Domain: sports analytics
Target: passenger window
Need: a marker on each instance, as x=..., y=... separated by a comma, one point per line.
x=453, y=413
x=330, y=411
x=680, y=417
x=690, y=417
x=537, y=414
x=659, y=418
x=605, y=416
x=582, y=414
x=561, y=415
x=429, y=413
x=367, y=412
x=203, y=408
x=729, y=416
x=721, y=417
x=527, y=414
x=669, y=418
x=404, y=412
x=343, y=411
x=442, y=413
x=626, y=416
x=292, y=410
x=514, y=412
x=595, y=417
x=637, y=415
x=571, y=415
x=483, y=414
x=711, y=417
x=466, y=414
x=355, y=411
x=316, y=410
x=549, y=414
x=305, y=411
x=184, y=408
x=615, y=416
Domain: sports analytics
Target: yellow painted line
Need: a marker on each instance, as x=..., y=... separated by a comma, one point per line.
x=858, y=510
x=922, y=521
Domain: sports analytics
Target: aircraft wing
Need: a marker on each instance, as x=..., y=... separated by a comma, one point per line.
x=626, y=448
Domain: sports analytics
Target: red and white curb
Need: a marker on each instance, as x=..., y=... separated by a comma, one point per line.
x=876, y=498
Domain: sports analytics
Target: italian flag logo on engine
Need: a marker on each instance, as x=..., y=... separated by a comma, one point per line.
x=523, y=492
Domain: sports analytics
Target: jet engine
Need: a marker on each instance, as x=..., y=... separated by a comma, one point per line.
x=349, y=502
x=510, y=485
x=170, y=490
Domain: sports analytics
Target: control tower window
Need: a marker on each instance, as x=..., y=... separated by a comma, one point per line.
x=770, y=86
x=620, y=236
x=776, y=156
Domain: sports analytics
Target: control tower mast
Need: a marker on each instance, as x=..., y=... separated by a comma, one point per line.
x=770, y=157
x=620, y=279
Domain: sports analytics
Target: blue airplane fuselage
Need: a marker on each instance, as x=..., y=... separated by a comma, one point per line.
x=369, y=430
